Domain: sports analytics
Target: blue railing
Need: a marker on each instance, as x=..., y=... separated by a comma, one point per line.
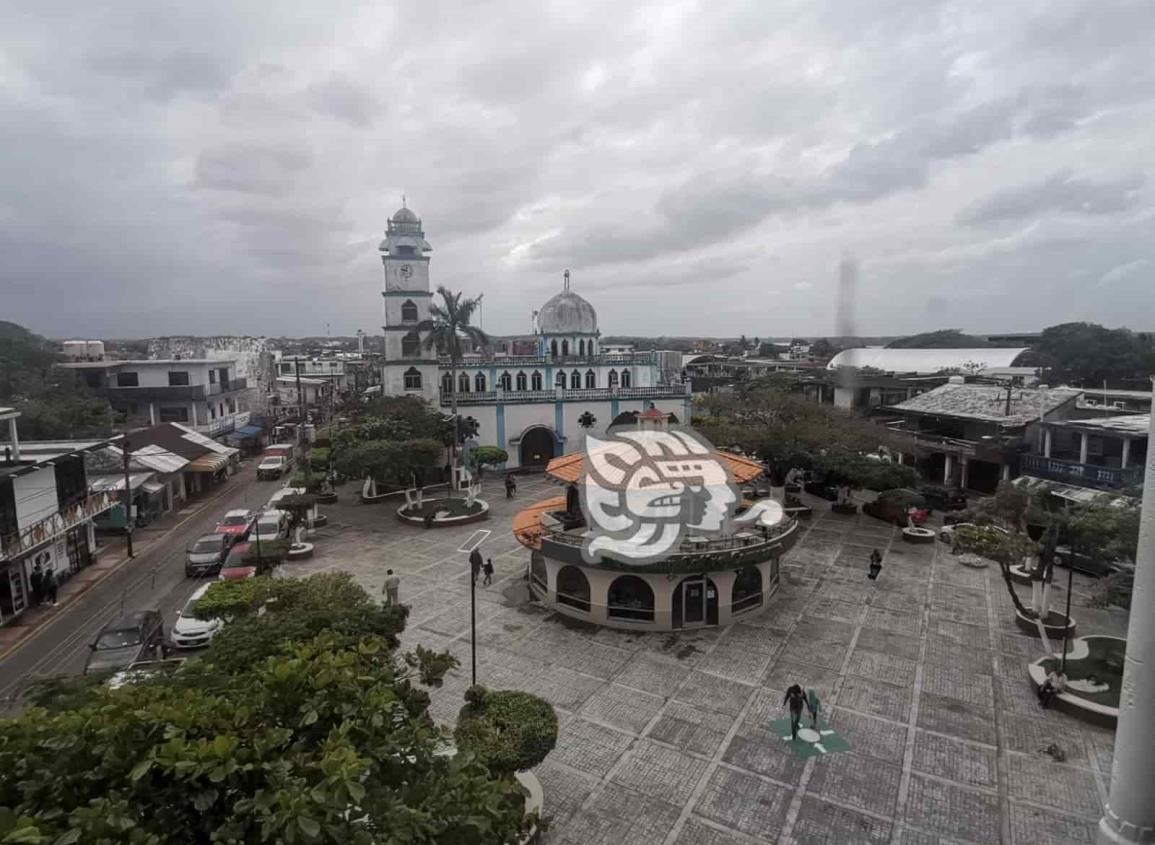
x=1086, y=475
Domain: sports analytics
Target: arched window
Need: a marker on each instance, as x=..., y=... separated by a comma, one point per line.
x=559, y=380
x=535, y=380
x=575, y=380
x=625, y=378
x=591, y=347
x=463, y=382
x=582, y=347
x=591, y=379
x=411, y=345
x=506, y=381
x=573, y=588
x=747, y=589
x=613, y=378
x=553, y=348
x=409, y=311
x=479, y=382
x=539, y=577
x=564, y=347
x=630, y=598
x=446, y=384
x=412, y=379
x=521, y=383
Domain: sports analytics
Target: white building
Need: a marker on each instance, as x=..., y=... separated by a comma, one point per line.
x=536, y=406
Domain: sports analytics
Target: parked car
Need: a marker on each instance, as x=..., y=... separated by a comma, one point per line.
x=282, y=493
x=270, y=525
x=944, y=498
x=946, y=533
x=822, y=489
x=235, y=524
x=1088, y=565
x=272, y=467
x=126, y=640
x=894, y=505
x=191, y=631
x=205, y=556
x=236, y=567
x=142, y=670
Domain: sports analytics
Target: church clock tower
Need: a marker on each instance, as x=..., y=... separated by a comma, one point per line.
x=409, y=368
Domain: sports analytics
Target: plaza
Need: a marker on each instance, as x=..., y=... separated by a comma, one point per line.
x=666, y=737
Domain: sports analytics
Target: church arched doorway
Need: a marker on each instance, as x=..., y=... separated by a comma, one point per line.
x=537, y=447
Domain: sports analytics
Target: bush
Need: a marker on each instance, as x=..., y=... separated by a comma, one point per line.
x=509, y=731
x=319, y=456
x=483, y=456
x=310, y=482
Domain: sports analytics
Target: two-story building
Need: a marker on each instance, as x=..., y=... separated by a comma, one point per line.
x=202, y=393
x=1097, y=453
x=46, y=518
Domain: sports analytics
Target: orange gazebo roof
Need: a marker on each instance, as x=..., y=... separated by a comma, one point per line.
x=568, y=468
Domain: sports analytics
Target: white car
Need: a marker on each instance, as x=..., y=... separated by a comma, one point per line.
x=189, y=631
x=270, y=525
x=946, y=533
x=282, y=493
x=272, y=466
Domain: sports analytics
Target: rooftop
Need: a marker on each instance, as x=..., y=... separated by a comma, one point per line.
x=925, y=361
x=1129, y=424
x=988, y=402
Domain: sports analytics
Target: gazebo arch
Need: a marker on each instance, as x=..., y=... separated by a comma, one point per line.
x=629, y=597
x=573, y=588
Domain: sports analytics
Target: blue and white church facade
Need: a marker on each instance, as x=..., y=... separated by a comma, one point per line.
x=536, y=406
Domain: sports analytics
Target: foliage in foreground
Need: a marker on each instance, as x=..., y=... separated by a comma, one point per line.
x=507, y=730
x=301, y=724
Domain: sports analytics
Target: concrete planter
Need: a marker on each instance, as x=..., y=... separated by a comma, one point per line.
x=1055, y=625
x=918, y=535
x=444, y=521
x=300, y=551
x=1071, y=700
x=327, y=498
x=1020, y=575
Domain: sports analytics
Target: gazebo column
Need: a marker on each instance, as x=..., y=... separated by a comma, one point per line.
x=1126, y=457
x=663, y=588
x=1130, y=811
x=724, y=582
x=600, y=581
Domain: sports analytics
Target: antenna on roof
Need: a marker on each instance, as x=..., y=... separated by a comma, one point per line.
x=565, y=277
x=403, y=205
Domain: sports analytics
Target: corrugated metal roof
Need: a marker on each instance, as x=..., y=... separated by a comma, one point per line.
x=159, y=459
x=1130, y=424
x=196, y=437
x=924, y=360
x=208, y=463
x=988, y=402
x=101, y=483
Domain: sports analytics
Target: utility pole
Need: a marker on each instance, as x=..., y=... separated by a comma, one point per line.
x=126, y=451
x=300, y=404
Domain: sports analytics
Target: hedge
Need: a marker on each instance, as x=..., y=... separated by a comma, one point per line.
x=509, y=731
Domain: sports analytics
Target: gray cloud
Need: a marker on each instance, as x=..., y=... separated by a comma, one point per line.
x=1059, y=192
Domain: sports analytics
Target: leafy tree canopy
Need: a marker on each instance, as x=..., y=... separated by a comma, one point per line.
x=483, y=456
x=1087, y=354
x=940, y=339
x=401, y=462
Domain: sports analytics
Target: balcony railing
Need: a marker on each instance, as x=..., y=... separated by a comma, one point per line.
x=486, y=397
x=223, y=425
x=51, y=527
x=1085, y=475
x=638, y=359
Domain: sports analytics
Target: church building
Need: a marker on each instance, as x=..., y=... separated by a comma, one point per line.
x=536, y=406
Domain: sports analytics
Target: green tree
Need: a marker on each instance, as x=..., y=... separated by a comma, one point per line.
x=485, y=456
x=1087, y=354
x=447, y=327
x=508, y=731
x=941, y=339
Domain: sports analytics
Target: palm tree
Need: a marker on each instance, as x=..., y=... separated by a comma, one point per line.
x=447, y=327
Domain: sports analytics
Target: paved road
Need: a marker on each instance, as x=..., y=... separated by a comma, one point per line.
x=154, y=579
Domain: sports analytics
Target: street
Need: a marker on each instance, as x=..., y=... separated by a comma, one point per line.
x=153, y=579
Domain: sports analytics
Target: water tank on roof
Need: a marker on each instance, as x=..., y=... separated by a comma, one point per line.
x=956, y=380
x=77, y=350
x=95, y=350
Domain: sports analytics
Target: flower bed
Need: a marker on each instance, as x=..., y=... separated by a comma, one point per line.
x=1055, y=624
x=1092, y=661
x=443, y=511
x=918, y=535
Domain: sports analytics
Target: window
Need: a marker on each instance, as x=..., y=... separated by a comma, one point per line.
x=411, y=345
x=521, y=382
x=463, y=382
x=747, y=589
x=479, y=382
x=573, y=588
x=591, y=379
x=212, y=376
x=446, y=384
x=553, y=348
x=535, y=380
x=565, y=348
x=582, y=347
x=127, y=380
x=575, y=380
x=409, y=311
x=625, y=378
x=506, y=381
x=287, y=368
x=630, y=598
x=613, y=378
x=559, y=381
x=177, y=378
x=174, y=415
x=412, y=379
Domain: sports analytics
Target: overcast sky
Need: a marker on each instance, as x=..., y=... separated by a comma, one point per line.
x=229, y=167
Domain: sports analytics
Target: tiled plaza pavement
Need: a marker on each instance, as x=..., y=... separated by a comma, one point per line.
x=665, y=738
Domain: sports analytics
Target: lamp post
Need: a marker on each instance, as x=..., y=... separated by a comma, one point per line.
x=474, y=569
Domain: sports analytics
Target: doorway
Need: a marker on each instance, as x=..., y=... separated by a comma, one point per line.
x=536, y=448
x=695, y=603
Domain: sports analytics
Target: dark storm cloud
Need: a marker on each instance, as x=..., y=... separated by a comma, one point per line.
x=160, y=157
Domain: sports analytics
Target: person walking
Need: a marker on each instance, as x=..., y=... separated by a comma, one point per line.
x=488, y=570
x=875, y=565
x=510, y=486
x=392, y=587
x=36, y=582
x=795, y=700
x=475, y=564
x=814, y=706
x=50, y=586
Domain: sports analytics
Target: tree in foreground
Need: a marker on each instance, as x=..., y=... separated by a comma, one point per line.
x=301, y=724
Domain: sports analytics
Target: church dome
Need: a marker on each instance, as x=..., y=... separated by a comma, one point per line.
x=404, y=215
x=568, y=313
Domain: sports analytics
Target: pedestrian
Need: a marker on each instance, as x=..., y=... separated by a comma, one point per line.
x=392, y=587
x=814, y=706
x=474, y=564
x=428, y=520
x=795, y=700
x=510, y=487
x=36, y=581
x=875, y=565
x=49, y=586
x=488, y=570
x=1054, y=685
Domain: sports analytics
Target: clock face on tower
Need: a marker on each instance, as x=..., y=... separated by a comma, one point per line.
x=406, y=271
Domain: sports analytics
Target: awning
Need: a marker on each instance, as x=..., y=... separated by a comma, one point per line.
x=249, y=431
x=153, y=487
x=208, y=463
x=1070, y=492
x=103, y=483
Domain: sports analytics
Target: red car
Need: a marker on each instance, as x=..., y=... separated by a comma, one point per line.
x=235, y=524
x=235, y=567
